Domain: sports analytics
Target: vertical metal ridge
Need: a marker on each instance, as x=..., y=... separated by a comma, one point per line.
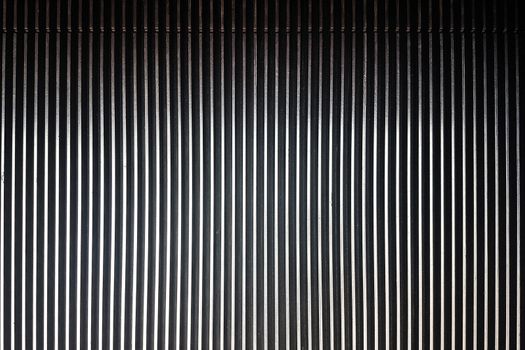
x=124, y=224
x=420, y=204
x=2, y=190
x=353, y=225
x=364, y=190
x=36, y=181
x=24, y=194
x=453, y=203
x=223, y=187
x=255, y=230
x=309, y=195
x=375, y=189
x=518, y=187
x=102, y=199
x=320, y=201
x=398, y=188
x=442, y=188
x=431, y=179
x=331, y=196
x=68, y=192
x=179, y=190
x=13, y=196
x=234, y=189
x=387, y=195
x=496, y=192
x=157, y=193
x=409, y=205
x=46, y=192
x=201, y=187
x=90, y=202
x=145, y=159
x=266, y=203
x=189, y=290
x=135, y=199
x=179, y=193
x=342, y=231
x=244, y=172
x=464, y=186
x=276, y=188
x=485, y=196
x=212, y=190
x=298, y=226
x=169, y=223
x=476, y=211
x=112, y=196
x=287, y=186
x=507, y=180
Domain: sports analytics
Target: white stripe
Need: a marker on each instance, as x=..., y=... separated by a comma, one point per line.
x=276, y=197
x=24, y=196
x=265, y=177
x=497, y=230
x=102, y=196
x=409, y=197
x=68, y=189
x=113, y=197
x=331, y=196
x=211, y=315
x=464, y=190
x=223, y=199
x=485, y=201
x=13, y=195
x=375, y=193
x=2, y=195
x=319, y=198
x=309, y=196
x=431, y=195
x=353, y=207
x=57, y=186
x=507, y=195
x=147, y=233
x=134, y=300
x=386, y=198
x=91, y=192
x=298, y=233
x=124, y=165
x=363, y=196
x=244, y=171
x=35, y=192
x=442, y=188
x=201, y=196
x=254, y=204
x=398, y=194
x=79, y=283
x=179, y=198
x=287, y=195
x=475, y=195
x=342, y=181
x=167, y=297
x=190, y=196
x=46, y=190
x=453, y=185
x=421, y=319
x=518, y=199
x=157, y=196
x=234, y=202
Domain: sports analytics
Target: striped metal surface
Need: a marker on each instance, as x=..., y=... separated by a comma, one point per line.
x=238, y=174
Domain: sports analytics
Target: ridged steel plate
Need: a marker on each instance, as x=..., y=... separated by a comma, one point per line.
x=239, y=174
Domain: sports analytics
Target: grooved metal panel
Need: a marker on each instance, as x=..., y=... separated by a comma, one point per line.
x=238, y=174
